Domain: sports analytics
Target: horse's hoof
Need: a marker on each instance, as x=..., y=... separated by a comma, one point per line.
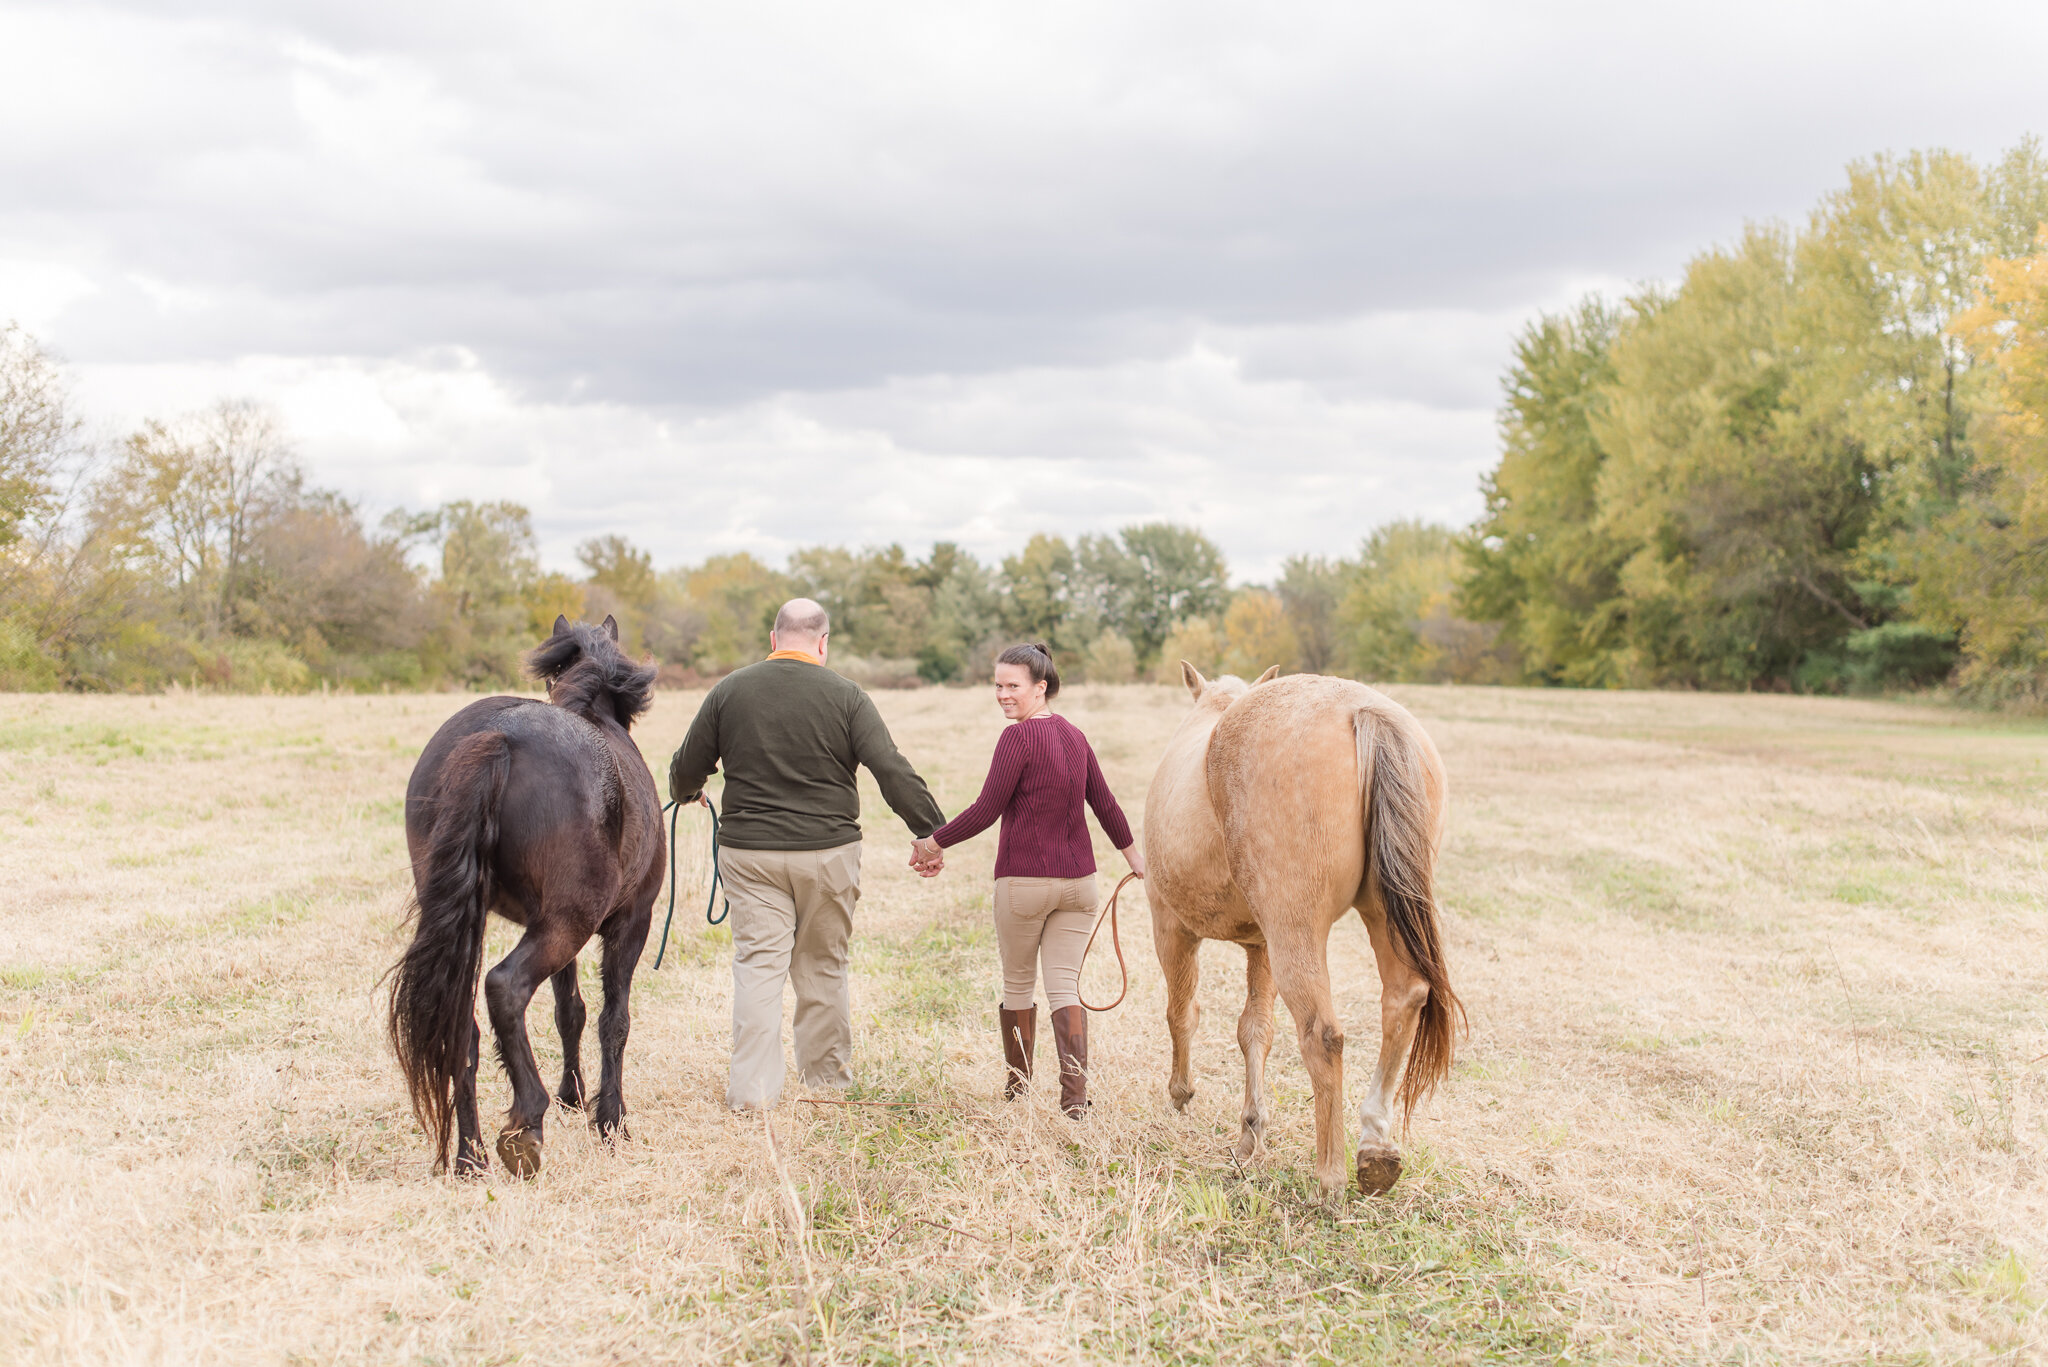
x=1180, y=1096
x=519, y=1151
x=1378, y=1170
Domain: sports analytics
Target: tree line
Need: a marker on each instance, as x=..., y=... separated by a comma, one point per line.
x=1815, y=463
x=1811, y=465
x=196, y=553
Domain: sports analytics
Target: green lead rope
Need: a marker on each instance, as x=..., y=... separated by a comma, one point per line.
x=674, y=810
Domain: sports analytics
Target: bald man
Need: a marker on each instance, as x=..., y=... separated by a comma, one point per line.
x=790, y=733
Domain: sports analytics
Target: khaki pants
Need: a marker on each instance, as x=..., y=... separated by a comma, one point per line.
x=792, y=911
x=1048, y=919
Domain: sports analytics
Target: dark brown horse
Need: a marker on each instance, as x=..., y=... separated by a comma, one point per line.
x=546, y=814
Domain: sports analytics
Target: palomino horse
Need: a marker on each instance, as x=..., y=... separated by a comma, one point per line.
x=544, y=813
x=1277, y=808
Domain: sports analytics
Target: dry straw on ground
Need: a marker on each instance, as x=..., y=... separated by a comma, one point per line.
x=1756, y=1074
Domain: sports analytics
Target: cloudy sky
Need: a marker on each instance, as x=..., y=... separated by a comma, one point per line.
x=752, y=276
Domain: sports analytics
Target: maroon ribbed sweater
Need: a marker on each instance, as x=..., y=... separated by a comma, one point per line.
x=1042, y=772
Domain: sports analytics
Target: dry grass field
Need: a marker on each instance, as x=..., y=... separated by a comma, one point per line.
x=1758, y=1072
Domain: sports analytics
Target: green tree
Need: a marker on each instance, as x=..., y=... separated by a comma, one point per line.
x=54, y=581
x=38, y=433
x=621, y=584
x=966, y=625
x=737, y=596
x=1539, y=563
x=488, y=588
x=1151, y=577
x=1035, y=587
x=1399, y=618
x=1979, y=567
x=1742, y=501
x=1197, y=640
x=1109, y=659
x=622, y=569
x=879, y=600
x=345, y=602
x=183, y=502
x=1310, y=588
x=1257, y=634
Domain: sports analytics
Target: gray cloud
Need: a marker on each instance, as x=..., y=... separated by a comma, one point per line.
x=1236, y=264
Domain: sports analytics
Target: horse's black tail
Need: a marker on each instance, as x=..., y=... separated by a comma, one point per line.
x=1400, y=832
x=433, y=997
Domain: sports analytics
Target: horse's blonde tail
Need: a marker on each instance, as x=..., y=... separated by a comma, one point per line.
x=1400, y=845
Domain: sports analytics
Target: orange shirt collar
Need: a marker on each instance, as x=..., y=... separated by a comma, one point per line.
x=803, y=655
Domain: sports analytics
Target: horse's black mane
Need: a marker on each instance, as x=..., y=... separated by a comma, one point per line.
x=586, y=673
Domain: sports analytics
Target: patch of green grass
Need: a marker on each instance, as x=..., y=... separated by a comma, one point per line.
x=269, y=914
x=138, y=859
x=1434, y=1272
x=389, y=812
x=21, y=979
x=1653, y=893
x=2004, y=1278
x=940, y=973
x=691, y=943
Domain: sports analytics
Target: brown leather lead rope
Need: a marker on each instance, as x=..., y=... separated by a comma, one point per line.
x=1116, y=940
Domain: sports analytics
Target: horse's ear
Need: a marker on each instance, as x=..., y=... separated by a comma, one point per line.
x=1192, y=677
x=1272, y=671
x=611, y=627
x=561, y=625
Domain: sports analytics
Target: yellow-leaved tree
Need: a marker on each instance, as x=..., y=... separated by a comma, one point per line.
x=1982, y=569
x=1257, y=635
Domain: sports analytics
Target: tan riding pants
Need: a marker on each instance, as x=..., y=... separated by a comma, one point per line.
x=792, y=913
x=1043, y=920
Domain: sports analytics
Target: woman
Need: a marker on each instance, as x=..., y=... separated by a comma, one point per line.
x=1042, y=772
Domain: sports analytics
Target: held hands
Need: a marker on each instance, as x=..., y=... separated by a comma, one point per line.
x=1135, y=857
x=926, y=857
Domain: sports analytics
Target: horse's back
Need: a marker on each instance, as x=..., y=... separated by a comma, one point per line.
x=1283, y=779
x=567, y=793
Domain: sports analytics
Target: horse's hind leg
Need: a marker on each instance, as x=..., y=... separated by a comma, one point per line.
x=625, y=936
x=1402, y=994
x=1303, y=976
x=1255, y=1038
x=1180, y=964
x=540, y=954
x=469, y=1140
x=569, y=1015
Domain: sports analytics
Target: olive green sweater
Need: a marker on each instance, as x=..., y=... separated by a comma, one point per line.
x=789, y=734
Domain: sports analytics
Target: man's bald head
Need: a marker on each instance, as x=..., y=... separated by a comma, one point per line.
x=799, y=624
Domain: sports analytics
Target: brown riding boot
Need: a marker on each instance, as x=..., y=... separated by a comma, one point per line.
x=1070, y=1037
x=1020, y=1038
